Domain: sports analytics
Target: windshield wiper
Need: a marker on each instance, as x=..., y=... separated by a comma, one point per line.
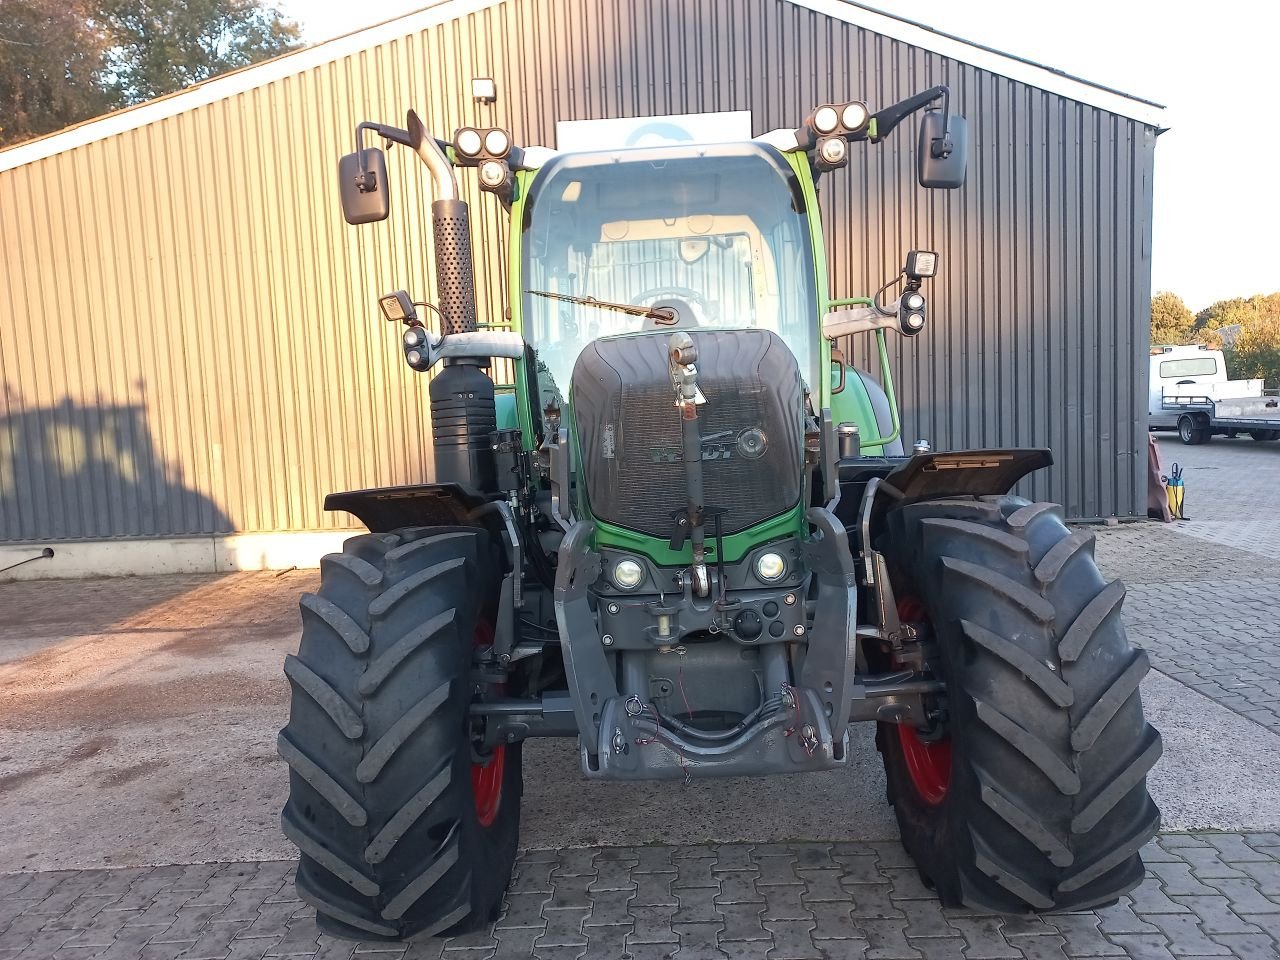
x=662, y=314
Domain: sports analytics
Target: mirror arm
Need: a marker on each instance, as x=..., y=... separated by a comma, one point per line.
x=941, y=147
x=890, y=117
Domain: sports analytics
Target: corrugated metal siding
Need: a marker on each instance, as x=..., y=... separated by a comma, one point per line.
x=192, y=345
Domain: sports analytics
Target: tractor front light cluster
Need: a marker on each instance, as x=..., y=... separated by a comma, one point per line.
x=911, y=312
x=472, y=146
x=840, y=119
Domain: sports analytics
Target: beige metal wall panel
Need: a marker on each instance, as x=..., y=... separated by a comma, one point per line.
x=189, y=339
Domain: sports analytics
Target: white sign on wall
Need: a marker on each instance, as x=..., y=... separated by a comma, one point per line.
x=574, y=136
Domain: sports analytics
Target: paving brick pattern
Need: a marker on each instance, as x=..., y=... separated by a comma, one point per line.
x=1206, y=612
x=1206, y=895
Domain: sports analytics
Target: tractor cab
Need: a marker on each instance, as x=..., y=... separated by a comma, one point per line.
x=713, y=239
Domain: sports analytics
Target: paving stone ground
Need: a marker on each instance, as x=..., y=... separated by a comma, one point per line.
x=1207, y=895
x=1202, y=599
x=1204, y=595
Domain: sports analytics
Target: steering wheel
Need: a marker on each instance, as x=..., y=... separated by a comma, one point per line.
x=682, y=293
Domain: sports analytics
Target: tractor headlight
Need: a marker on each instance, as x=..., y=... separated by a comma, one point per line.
x=497, y=143
x=825, y=119
x=855, y=116
x=833, y=150
x=913, y=301
x=413, y=337
x=770, y=567
x=493, y=174
x=627, y=574
x=468, y=142
x=915, y=321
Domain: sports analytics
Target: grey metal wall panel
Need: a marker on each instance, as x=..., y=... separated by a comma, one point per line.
x=190, y=343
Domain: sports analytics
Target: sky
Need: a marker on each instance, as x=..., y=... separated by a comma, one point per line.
x=1217, y=208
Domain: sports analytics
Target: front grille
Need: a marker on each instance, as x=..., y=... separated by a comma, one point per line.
x=752, y=428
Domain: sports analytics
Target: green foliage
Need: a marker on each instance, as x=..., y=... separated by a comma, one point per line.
x=51, y=67
x=161, y=46
x=1249, y=329
x=63, y=61
x=1171, y=320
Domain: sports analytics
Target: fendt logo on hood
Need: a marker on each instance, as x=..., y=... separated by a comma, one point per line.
x=749, y=444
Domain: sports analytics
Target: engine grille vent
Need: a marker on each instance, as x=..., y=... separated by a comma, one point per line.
x=629, y=428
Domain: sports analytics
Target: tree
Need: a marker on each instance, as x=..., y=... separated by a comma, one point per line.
x=51, y=64
x=1250, y=327
x=159, y=46
x=1256, y=351
x=1171, y=320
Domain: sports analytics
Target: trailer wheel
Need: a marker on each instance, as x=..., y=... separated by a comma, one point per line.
x=1029, y=791
x=1193, y=430
x=1264, y=435
x=402, y=828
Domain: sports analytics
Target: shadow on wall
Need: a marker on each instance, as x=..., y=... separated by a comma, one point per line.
x=71, y=471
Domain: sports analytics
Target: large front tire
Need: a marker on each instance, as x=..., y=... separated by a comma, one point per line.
x=1035, y=796
x=401, y=830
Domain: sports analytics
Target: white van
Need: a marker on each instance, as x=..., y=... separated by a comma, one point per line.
x=1187, y=383
x=1178, y=367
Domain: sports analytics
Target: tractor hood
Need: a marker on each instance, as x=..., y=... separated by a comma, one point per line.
x=629, y=428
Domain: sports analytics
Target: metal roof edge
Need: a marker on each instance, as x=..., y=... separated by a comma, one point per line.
x=987, y=58
x=236, y=82
x=299, y=61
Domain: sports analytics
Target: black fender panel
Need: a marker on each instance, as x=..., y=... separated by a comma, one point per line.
x=419, y=505
x=978, y=473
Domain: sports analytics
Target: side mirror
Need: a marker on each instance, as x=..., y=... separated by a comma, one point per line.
x=366, y=196
x=942, y=154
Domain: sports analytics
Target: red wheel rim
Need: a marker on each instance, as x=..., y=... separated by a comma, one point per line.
x=928, y=761
x=486, y=778
x=928, y=764
x=486, y=784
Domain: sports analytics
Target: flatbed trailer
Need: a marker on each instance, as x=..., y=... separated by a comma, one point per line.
x=1200, y=416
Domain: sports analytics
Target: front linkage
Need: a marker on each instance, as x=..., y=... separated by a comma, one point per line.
x=771, y=572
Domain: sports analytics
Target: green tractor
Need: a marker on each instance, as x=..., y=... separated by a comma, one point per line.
x=685, y=533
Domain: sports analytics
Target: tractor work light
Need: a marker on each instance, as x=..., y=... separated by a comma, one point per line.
x=833, y=151
x=497, y=143
x=627, y=574
x=854, y=116
x=921, y=264
x=826, y=119
x=770, y=567
x=468, y=142
x=494, y=174
x=398, y=306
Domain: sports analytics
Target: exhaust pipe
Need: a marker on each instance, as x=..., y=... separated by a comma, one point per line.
x=451, y=228
x=462, y=403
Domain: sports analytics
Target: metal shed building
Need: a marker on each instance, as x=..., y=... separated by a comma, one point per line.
x=190, y=349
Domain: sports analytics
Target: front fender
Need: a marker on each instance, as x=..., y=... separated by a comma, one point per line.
x=417, y=505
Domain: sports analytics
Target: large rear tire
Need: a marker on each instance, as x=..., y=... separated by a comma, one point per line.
x=1034, y=796
x=401, y=830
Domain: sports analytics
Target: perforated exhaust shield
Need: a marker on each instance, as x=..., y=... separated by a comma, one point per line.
x=752, y=428
x=455, y=276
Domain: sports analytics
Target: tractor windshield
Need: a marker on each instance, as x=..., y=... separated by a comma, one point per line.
x=721, y=236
